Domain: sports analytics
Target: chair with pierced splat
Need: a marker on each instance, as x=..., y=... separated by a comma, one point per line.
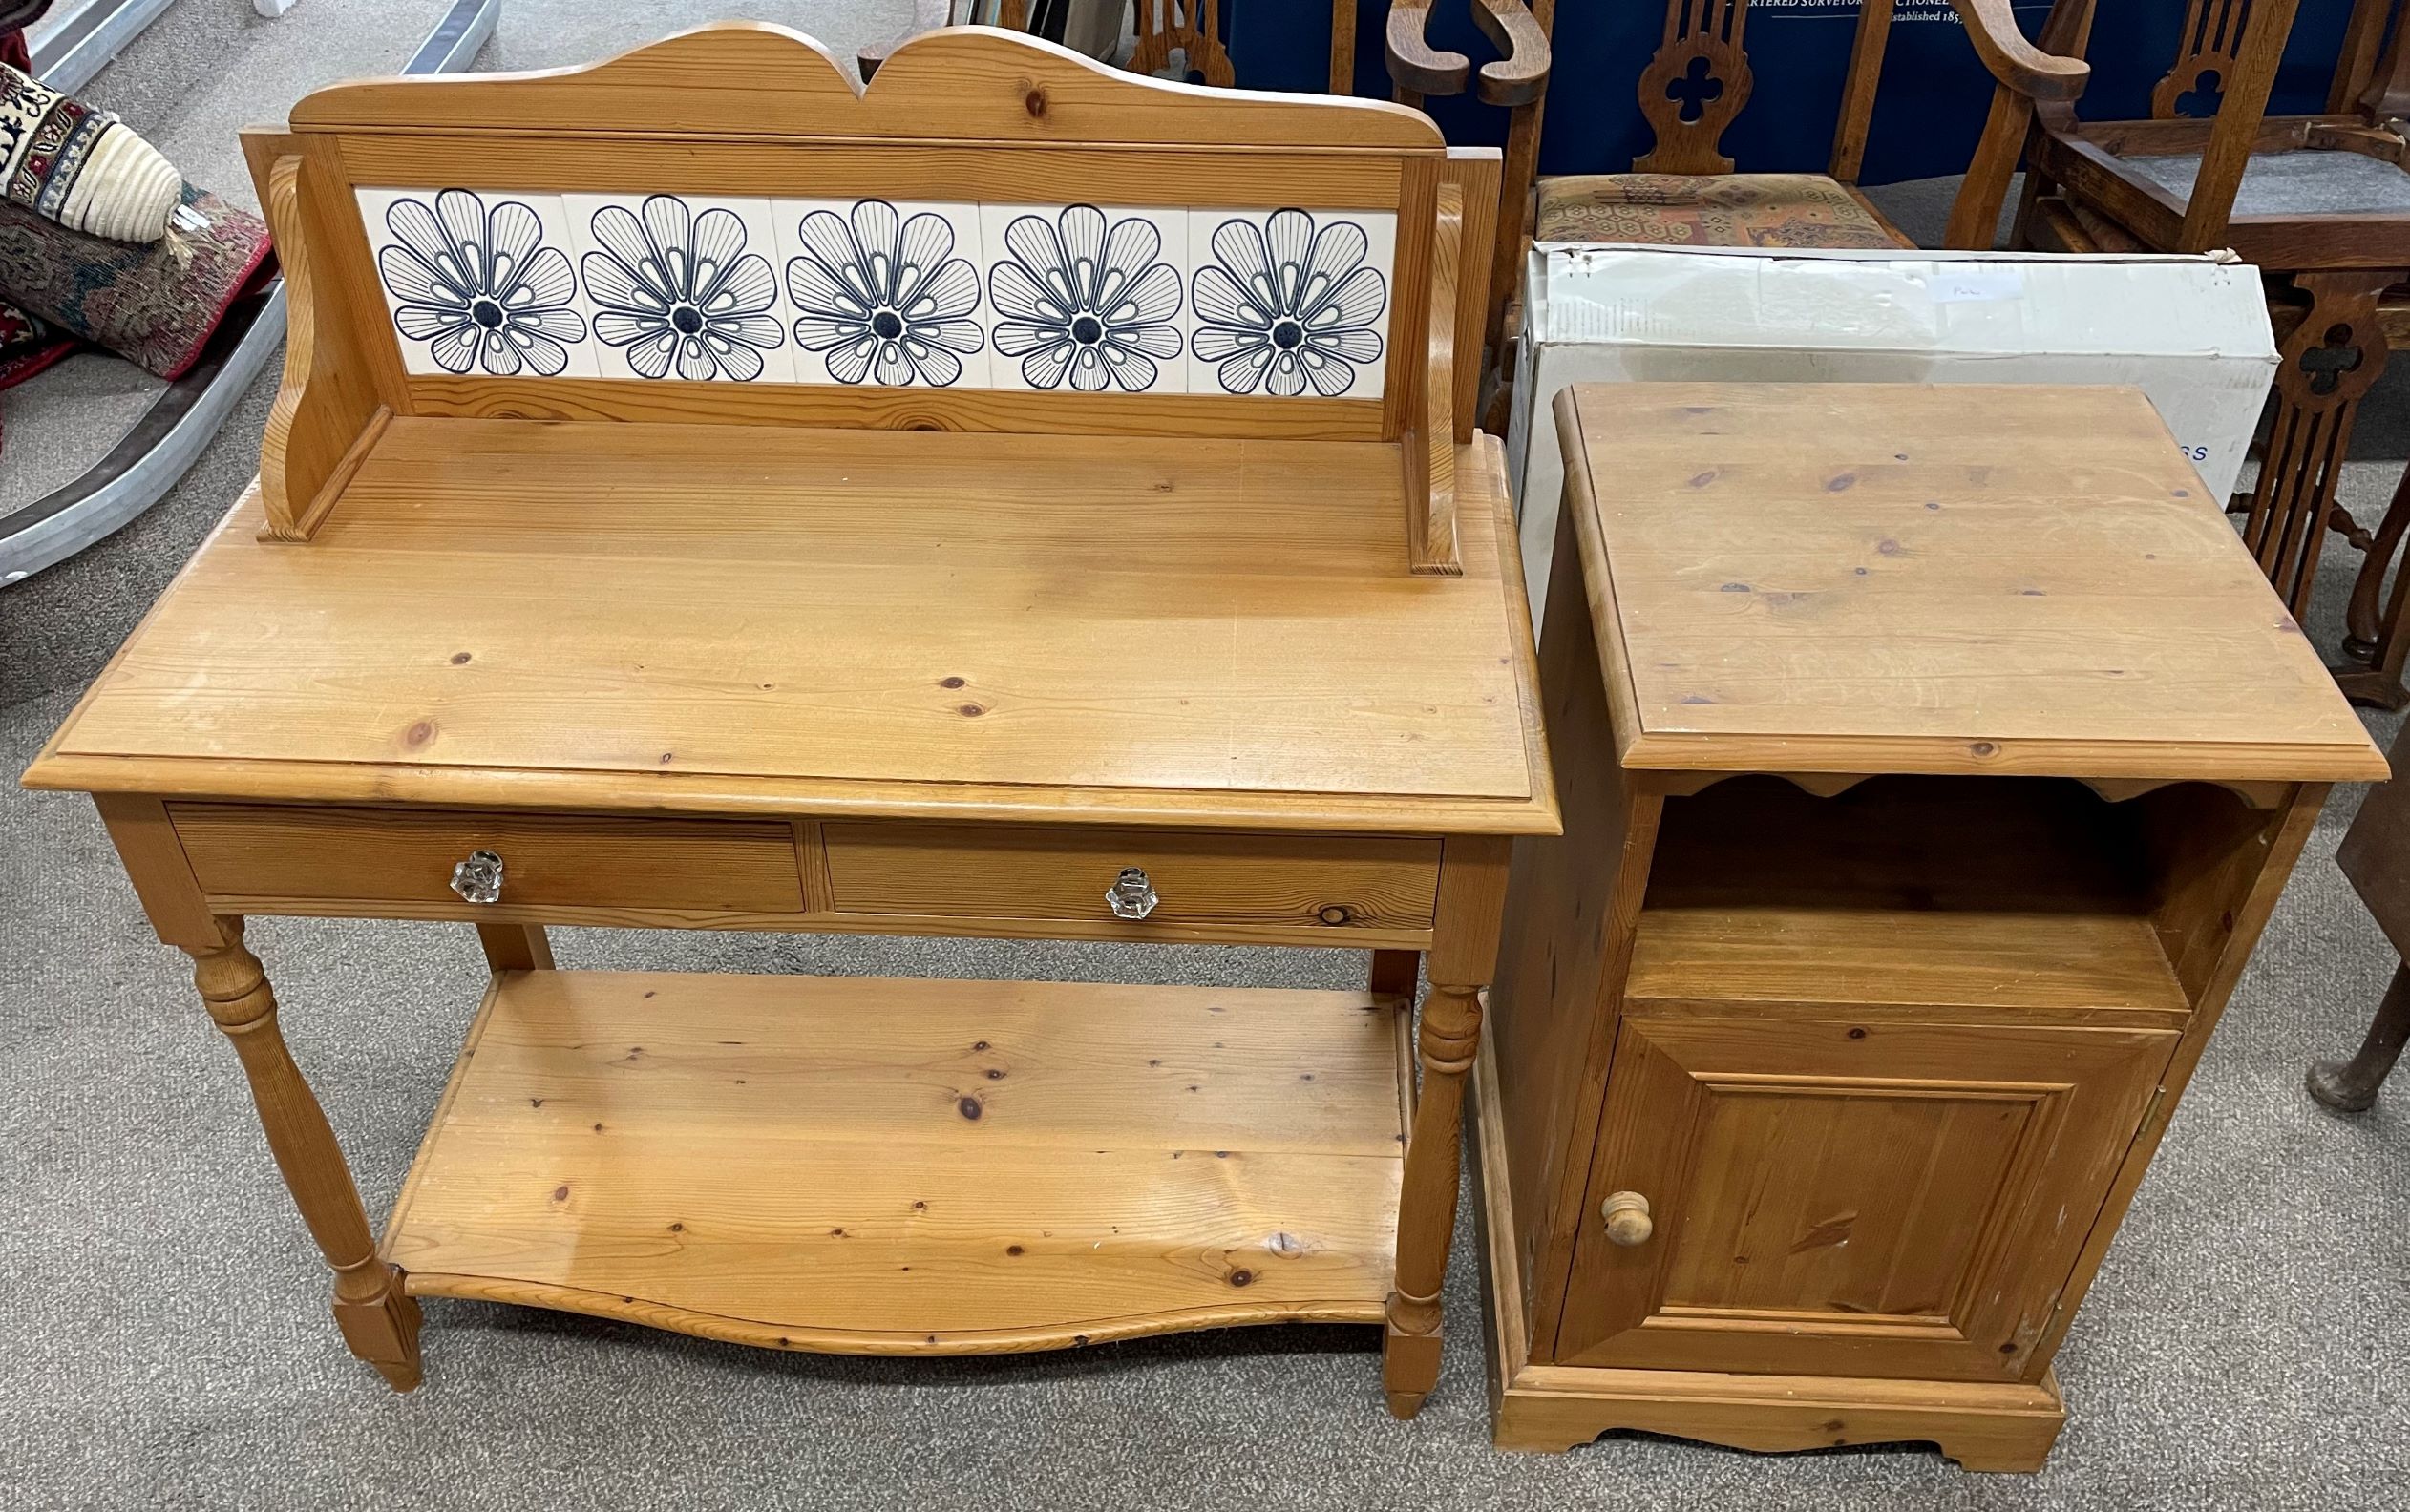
x=2320, y=202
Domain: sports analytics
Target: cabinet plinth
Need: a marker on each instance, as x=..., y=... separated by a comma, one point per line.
x=1888, y=922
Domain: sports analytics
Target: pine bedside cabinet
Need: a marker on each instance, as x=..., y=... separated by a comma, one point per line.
x=1930, y=760
x=1016, y=499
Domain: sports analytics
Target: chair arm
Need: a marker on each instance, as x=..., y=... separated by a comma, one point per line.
x=1521, y=75
x=2016, y=62
x=1517, y=78
x=1415, y=66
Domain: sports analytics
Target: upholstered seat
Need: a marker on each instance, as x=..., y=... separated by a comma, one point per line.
x=1776, y=210
x=2332, y=182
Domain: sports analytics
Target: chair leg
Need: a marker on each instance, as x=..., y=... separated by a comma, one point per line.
x=2379, y=642
x=2351, y=1085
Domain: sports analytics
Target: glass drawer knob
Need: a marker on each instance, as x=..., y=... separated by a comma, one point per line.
x=1131, y=896
x=479, y=878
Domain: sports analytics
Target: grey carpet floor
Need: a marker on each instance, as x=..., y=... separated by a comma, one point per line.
x=163, y=1334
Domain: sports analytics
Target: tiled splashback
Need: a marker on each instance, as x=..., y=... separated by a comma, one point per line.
x=1070, y=298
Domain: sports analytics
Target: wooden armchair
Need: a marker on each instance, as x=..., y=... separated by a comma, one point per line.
x=2321, y=203
x=1684, y=191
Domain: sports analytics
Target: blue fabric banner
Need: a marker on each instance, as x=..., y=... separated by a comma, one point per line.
x=1926, y=120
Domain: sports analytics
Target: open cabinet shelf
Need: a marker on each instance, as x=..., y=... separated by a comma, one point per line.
x=2031, y=896
x=913, y=1167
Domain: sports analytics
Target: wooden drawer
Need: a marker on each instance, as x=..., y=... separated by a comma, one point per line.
x=403, y=856
x=1346, y=886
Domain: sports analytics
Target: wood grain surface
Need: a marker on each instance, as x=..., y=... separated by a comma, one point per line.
x=697, y=609
x=1944, y=579
x=1337, y=883
x=1894, y=1200
x=908, y=1166
x=583, y=860
x=757, y=80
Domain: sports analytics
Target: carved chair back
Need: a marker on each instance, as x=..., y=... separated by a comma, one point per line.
x=2210, y=54
x=997, y=234
x=1700, y=78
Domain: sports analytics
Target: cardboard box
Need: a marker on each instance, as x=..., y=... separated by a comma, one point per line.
x=2191, y=333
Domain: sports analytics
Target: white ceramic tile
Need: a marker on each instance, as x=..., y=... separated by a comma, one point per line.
x=1320, y=327
x=681, y=286
x=1086, y=298
x=883, y=292
x=478, y=281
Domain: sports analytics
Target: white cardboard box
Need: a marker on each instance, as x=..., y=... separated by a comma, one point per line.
x=2191, y=333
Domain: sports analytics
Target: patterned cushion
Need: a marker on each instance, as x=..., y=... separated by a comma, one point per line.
x=1771, y=210
x=155, y=303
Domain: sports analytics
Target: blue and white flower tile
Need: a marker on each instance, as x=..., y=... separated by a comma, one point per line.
x=1290, y=302
x=478, y=281
x=681, y=286
x=883, y=293
x=1071, y=299
x=1086, y=299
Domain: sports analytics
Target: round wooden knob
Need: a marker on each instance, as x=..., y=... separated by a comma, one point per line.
x=1626, y=1214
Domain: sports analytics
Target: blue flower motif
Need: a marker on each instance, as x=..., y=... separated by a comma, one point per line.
x=679, y=290
x=1085, y=300
x=480, y=288
x=1288, y=307
x=883, y=297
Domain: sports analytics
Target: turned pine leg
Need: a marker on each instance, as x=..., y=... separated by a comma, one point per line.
x=1464, y=952
x=378, y=1321
x=2351, y=1085
x=1427, y=1205
x=2328, y=363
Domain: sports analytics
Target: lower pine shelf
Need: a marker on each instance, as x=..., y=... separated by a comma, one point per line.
x=899, y=1166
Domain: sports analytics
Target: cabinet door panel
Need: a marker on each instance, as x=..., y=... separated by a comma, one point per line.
x=1879, y=1199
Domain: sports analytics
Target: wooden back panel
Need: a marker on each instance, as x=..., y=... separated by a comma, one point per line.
x=2208, y=51
x=542, y=244
x=1700, y=78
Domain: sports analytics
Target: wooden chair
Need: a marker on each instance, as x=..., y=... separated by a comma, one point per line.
x=1684, y=191
x=2321, y=203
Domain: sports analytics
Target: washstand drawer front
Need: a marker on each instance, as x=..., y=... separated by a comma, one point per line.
x=406, y=858
x=1139, y=881
x=1869, y=1198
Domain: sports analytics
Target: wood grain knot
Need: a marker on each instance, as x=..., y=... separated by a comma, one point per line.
x=1034, y=102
